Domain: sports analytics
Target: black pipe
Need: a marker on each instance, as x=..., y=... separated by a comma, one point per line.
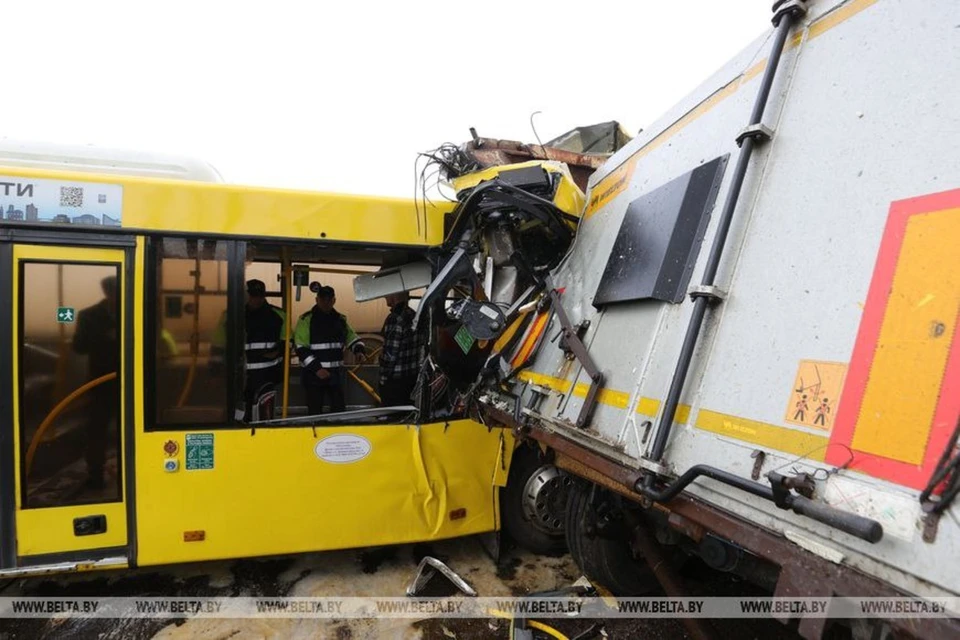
x=855, y=525
x=671, y=491
x=716, y=252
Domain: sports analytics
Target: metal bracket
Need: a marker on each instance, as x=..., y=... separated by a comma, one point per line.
x=931, y=522
x=542, y=391
x=712, y=293
x=571, y=342
x=758, y=458
x=655, y=467
x=783, y=7
x=781, y=494
x=758, y=132
x=564, y=431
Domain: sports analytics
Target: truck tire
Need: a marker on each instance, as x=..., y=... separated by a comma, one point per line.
x=606, y=561
x=532, y=503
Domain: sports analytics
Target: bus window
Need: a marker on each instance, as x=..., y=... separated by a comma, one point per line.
x=366, y=318
x=191, y=333
x=69, y=394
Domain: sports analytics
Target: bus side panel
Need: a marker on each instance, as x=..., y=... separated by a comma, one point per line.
x=272, y=492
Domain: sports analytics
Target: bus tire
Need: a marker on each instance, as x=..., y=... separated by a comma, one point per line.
x=606, y=561
x=532, y=503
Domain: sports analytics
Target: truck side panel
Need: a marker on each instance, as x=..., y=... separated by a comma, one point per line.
x=864, y=117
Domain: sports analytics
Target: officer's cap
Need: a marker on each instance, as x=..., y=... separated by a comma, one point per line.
x=324, y=291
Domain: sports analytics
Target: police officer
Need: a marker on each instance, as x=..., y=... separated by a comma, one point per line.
x=321, y=336
x=265, y=329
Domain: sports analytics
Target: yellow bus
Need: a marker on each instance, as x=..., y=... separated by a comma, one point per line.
x=113, y=286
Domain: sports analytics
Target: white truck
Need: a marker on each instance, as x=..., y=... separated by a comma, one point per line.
x=752, y=350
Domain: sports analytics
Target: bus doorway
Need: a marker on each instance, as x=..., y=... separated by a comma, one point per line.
x=68, y=395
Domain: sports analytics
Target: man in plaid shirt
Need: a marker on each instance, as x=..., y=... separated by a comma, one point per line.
x=400, y=358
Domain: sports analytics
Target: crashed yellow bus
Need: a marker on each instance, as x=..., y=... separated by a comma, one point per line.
x=128, y=447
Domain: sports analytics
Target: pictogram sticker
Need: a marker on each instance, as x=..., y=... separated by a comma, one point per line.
x=813, y=399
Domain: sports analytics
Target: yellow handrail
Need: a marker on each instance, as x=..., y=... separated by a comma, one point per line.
x=288, y=303
x=366, y=387
x=57, y=410
x=195, y=337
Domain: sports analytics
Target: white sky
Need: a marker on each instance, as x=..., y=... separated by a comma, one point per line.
x=340, y=96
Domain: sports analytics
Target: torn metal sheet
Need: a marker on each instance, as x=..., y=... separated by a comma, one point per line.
x=428, y=568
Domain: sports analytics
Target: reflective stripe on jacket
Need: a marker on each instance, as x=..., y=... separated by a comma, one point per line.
x=320, y=339
x=265, y=329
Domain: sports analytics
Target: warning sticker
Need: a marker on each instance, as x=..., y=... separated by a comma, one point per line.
x=816, y=390
x=199, y=451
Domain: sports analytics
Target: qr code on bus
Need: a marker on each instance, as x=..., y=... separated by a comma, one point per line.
x=71, y=196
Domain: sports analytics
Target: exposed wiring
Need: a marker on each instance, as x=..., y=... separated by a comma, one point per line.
x=537, y=136
x=826, y=472
x=946, y=472
x=415, y=203
x=550, y=631
x=431, y=169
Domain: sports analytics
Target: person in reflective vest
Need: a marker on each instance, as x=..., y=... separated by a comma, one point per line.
x=320, y=337
x=263, y=348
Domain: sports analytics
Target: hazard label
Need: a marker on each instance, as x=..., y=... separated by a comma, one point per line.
x=815, y=392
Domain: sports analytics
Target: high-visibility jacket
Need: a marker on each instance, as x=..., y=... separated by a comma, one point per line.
x=320, y=339
x=167, y=346
x=265, y=329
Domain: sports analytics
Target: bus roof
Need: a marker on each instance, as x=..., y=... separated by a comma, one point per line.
x=91, y=159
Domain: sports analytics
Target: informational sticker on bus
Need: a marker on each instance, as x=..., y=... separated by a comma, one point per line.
x=199, y=451
x=66, y=315
x=60, y=202
x=343, y=448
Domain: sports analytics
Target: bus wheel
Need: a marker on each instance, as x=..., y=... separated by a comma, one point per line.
x=533, y=502
x=598, y=542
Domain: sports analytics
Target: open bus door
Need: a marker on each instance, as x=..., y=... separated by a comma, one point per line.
x=66, y=408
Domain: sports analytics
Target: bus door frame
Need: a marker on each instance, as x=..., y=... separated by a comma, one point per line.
x=11, y=564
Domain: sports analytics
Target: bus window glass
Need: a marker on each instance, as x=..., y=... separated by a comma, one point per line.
x=69, y=407
x=191, y=332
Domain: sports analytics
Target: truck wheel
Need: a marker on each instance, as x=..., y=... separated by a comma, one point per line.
x=605, y=559
x=533, y=502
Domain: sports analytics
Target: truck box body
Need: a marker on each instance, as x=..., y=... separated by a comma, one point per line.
x=834, y=350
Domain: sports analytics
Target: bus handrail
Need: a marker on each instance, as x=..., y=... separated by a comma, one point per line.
x=195, y=337
x=57, y=410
